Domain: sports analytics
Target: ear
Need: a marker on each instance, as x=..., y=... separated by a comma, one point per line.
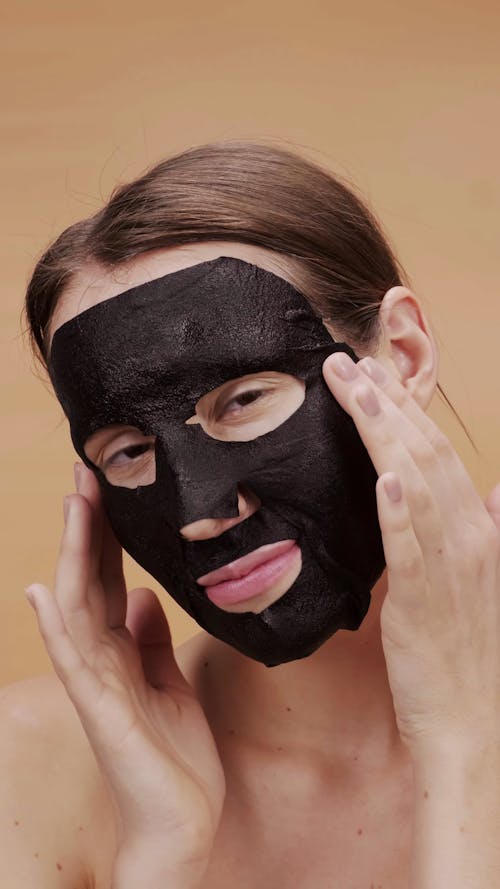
x=407, y=346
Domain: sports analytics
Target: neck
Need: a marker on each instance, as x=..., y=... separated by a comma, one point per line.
x=335, y=703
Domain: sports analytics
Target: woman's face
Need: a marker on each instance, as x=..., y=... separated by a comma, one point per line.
x=241, y=409
x=192, y=381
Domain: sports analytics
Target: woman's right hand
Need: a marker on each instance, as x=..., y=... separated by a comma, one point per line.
x=148, y=731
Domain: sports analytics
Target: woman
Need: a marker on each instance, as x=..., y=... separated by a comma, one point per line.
x=236, y=349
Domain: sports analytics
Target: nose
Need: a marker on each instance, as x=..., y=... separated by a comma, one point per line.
x=204, y=529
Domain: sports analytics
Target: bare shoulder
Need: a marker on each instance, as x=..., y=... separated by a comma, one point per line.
x=56, y=815
x=57, y=824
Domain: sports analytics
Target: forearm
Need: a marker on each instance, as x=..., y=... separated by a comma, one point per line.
x=456, y=826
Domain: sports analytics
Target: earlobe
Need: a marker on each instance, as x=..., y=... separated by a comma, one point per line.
x=408, y=344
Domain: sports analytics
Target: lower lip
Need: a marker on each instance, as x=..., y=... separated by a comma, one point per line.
x=256, y=582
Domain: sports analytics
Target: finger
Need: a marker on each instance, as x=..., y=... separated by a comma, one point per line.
x=399, y=394
x=106, y=716
x=88, y=487
x=493, y=505
x=380, y=431
x=83, y=622
x=406, y=567
x=387, y=432
x=82, y=685
x=112, y=578
x=149, y=627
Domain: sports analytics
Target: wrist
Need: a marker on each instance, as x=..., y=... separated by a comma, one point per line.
x=456, y=814
x=466, y=770
x=454, y=749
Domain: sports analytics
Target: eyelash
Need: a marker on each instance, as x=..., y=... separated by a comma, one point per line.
x=242, y=395
x=140, y=449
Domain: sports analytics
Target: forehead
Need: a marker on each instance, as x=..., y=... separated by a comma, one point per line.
x=93, y=284
x=186, y=316
x=170, y=340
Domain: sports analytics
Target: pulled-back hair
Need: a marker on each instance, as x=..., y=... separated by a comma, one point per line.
x=239, y=191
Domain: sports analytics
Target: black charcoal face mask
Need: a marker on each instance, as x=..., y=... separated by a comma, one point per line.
x=144, y=358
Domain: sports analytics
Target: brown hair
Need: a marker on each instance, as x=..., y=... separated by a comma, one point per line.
x=239, y=191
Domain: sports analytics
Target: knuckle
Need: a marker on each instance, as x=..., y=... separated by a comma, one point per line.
x=407, y=567
x=75, y=609
x=385, y=437
x=401, y=398
x=394, y=524
x=442, y=445
x=426, y=458
x=423, y=500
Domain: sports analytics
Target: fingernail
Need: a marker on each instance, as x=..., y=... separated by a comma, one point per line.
x=373, y=369
x=77, y=471
x=343, y=367
x=392, y=487
x=368, y=402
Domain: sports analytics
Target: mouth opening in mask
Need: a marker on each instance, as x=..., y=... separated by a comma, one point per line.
x=254, y=581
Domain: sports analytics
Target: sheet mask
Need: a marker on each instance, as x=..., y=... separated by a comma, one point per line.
x=144, y=358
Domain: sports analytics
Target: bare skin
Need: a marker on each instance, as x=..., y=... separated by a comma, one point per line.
x=335, y=798
x=320, y=787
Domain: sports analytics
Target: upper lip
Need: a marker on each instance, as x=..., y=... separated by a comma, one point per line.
x=245, y=564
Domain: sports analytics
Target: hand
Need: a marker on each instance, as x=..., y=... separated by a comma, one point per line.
x=143, y=721
x=440, y=620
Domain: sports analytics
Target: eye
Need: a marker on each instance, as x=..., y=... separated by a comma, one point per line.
x=126, y=456
x=242, y=400
x=249, y=406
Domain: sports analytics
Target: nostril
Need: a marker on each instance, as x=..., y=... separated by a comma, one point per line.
x=205, y=529
x=248, y=502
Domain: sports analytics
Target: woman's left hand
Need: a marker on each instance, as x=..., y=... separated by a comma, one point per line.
x=441, y=617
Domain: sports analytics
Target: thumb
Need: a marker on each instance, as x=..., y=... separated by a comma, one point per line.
x=148, y=625
x=492, y=504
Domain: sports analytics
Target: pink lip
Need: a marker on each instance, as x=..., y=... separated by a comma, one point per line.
x=264, y=568
x=240, y=567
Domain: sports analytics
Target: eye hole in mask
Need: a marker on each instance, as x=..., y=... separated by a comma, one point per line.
x=247, y=407
x=124, y=454
x=240, y=410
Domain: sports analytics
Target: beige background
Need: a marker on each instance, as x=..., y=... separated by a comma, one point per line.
x=405, y=102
